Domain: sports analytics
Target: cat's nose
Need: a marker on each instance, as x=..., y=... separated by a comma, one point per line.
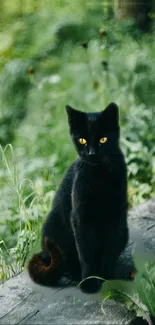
x=92, y=152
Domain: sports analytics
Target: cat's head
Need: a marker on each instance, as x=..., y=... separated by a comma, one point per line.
x=95, y=135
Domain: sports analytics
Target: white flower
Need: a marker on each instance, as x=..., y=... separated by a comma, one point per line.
x=54, y=79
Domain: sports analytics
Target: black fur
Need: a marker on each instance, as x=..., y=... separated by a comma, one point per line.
x=88, y=220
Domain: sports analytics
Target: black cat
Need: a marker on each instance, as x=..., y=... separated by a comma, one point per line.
x=86, y=230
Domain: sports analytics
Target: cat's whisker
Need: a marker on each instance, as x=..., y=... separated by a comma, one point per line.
x=105, y=160
x=111, y=163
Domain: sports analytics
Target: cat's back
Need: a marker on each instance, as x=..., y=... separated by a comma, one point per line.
x=59, y=217
x=62, y=198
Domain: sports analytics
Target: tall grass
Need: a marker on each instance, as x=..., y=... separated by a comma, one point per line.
x=21, y=215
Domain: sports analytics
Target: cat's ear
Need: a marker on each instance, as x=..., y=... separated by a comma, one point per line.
x=111, y=113
x=71, y=112
x=75, y=117
x=112, y=110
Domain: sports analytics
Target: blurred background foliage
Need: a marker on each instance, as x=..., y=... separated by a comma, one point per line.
x=54, y=53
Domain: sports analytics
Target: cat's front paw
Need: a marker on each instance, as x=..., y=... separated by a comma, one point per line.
x=91, y=285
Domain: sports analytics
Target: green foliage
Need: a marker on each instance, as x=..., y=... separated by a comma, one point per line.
x=53, y=55
x=138, y=295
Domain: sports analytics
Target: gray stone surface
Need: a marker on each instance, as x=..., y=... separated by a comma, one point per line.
x=23, y=302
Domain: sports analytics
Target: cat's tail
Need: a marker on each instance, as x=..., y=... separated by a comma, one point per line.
x=47, y=267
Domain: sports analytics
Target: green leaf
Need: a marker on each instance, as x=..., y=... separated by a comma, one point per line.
x=132, y=303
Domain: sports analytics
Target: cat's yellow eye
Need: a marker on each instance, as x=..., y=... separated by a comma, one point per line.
x=103, y=140
x=82, y=141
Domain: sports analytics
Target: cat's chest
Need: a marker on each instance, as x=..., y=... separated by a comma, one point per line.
x=92, y=186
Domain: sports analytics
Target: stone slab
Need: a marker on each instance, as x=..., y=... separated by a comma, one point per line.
x=23, y=302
